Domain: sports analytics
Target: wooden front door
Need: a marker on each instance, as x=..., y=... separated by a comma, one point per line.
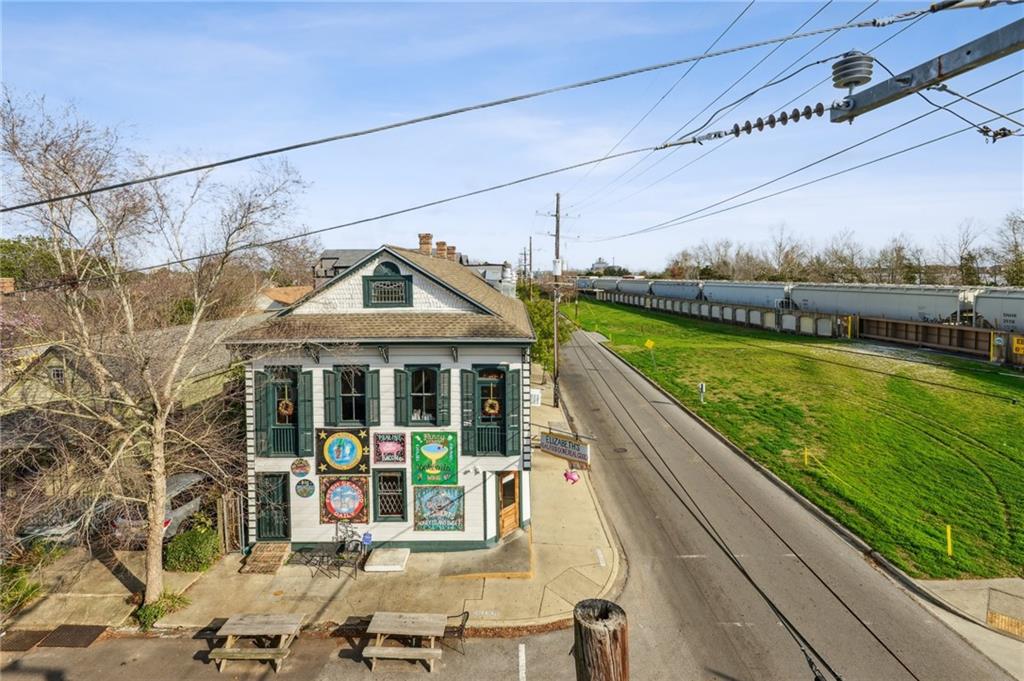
x=272, y=507
x=508, y=502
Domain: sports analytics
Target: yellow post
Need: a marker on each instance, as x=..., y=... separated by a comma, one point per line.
x=849, y=326
x=949, y=540
x=806, y=459
x=992, y=346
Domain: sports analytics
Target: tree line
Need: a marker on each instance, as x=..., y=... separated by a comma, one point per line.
x=970, y=256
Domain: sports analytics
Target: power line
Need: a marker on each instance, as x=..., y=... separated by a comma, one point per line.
x=719, y=146
x=687, y=217
x=666, y=93
x=361, y=221
x=602, y=190
x=869, y=23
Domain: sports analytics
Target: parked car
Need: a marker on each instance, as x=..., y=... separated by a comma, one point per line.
x=59, y=529
x=184, y=498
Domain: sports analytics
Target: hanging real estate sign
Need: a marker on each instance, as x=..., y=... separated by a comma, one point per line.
x=434, y=458
x=343, y=498
x=439, y=509
x=340, y=450
x=565, y=447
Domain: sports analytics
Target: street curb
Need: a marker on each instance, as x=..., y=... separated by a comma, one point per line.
x=845, y=534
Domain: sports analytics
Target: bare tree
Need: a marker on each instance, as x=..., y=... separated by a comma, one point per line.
x=786, y=255
x=290, y=263
x=1009, y=248
x=131, y=407
x=963, y=255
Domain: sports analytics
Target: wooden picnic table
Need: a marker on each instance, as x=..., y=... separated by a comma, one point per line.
x=283, y=627
x=418, y=626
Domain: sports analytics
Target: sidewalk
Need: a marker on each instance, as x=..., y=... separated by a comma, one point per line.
x=531, y=582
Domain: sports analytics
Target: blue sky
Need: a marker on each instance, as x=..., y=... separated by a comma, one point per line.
x=200, y=81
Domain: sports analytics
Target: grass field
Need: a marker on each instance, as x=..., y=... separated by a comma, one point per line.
x=893, y=459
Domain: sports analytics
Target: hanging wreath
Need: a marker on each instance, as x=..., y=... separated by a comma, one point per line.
x=285, y=407
x=492, y=407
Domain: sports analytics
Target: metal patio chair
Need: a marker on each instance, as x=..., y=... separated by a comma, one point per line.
x=456, y=629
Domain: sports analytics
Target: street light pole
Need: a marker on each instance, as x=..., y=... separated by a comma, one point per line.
x=558, y=278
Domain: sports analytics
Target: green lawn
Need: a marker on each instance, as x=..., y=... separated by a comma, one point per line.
x=893, y=459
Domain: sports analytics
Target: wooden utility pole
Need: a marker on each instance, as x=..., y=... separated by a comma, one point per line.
x=530, y=274
x=601, y=641
x=555, y=294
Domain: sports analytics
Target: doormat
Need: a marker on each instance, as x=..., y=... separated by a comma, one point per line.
x=22, y=640
x=72, y=636
x=266, y=558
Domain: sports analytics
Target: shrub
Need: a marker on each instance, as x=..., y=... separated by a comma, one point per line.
x=16, y=588
x=148, y=615
x=194, y=550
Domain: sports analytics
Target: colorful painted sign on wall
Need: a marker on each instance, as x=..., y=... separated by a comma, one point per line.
x=305, y=488
x=439, y=509
x=389, y=448
x=342, y=450
x=435, y=458
x=300, y=468
x=343, y=497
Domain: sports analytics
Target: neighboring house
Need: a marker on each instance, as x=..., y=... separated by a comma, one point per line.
x=274, y=298
x=500, y=275
x=599, y=266
x=396, y=398
x=334, y=261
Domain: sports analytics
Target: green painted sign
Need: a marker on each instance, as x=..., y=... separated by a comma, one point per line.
x=435, y=458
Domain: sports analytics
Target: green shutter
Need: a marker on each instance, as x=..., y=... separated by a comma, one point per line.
x=306, y=413
x=330, y=397
x=373, y=398
x=468, y=387
x=401, y=397
x=444, y=399
x=259, y=408
x=513, y=397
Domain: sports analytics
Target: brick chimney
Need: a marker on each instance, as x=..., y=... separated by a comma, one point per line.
x=452, y=253
x=442, y=249
x=425, y=243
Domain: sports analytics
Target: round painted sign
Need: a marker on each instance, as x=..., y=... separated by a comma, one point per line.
x=343, y=451
x=300, y=468
x=344, y=500
x=305, y=488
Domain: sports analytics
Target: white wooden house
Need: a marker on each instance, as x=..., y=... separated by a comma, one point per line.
x=395, y=398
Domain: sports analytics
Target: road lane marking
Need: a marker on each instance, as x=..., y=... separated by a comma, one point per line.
x=600, y=557
x=691, y=555
x=522, y=662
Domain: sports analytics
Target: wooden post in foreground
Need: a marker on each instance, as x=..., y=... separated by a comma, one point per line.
x=601, y=646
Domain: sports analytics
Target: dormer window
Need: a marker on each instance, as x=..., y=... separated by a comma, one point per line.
x=387, y=287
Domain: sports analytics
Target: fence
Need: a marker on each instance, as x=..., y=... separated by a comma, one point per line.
x=230, y=522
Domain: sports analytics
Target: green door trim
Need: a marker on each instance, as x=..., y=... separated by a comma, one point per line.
x=281, y=501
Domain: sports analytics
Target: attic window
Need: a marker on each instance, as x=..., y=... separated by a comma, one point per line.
x=387, y=287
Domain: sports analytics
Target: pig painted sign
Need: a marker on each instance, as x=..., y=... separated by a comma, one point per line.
x=389, y=448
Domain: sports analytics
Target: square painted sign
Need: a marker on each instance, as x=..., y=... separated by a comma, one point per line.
x=389, y=448
x=342, y=450
x=435, y=458
x=439, y=509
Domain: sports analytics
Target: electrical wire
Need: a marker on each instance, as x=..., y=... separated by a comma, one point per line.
x=922, y=96
x=683, y=219
x=667, y=92
x=942, y=87
x=321, y=230
x=781, y=72
x=602, y=191
x=702, y=520
x=868, y=23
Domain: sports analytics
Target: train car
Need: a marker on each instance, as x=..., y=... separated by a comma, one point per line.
x=676, y=288
x=584, y=283
x=1000, y=308
x=606, y=283
x=636, y=287
x=752, y=293
x=913, y=303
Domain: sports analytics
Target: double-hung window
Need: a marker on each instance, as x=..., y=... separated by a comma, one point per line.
x=351, y=396
x=422, y=396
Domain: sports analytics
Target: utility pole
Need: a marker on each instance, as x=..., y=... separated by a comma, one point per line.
x=530, y=274
x=558, y=279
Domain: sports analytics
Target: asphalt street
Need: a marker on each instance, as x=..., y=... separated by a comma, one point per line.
x=663, y=480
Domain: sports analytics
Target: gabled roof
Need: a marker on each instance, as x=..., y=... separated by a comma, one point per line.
x=500, y=317
x=286, y=295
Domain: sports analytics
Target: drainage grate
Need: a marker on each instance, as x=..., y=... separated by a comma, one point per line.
x=19, y=641
x=72, y=636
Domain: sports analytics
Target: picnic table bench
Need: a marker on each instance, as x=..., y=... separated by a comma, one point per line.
x=417, y=626
x=282, y=627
